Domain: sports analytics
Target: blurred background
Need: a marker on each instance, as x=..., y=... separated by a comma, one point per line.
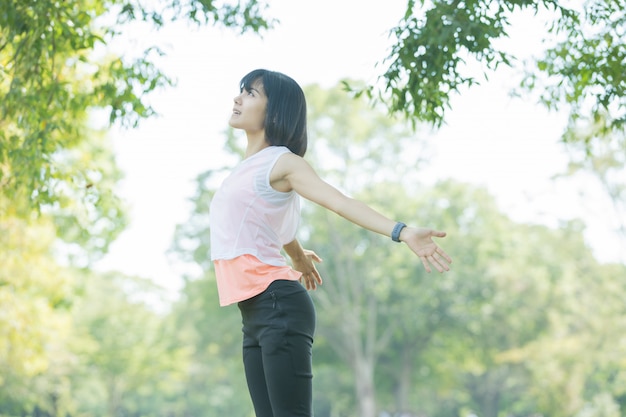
x=499, y=122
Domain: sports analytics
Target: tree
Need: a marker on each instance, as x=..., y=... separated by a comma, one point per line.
x=575, y=365
x=437, y=41
x=35, y=325
x=601, y=153
x=129, y=361
x=54, y=78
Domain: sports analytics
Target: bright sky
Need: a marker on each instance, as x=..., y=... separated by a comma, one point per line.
x=508, y=145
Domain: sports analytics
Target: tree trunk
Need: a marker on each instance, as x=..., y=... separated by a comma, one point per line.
x=403, y=382
x=485, y=390
x=364, y=386
x=115, y=397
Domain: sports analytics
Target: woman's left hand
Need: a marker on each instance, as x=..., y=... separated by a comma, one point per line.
x=420, y=240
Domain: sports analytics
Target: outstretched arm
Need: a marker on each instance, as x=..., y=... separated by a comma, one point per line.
x=292, y=172
x=302, y=260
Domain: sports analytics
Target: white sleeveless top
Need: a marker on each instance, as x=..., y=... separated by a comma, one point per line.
x=247, y=216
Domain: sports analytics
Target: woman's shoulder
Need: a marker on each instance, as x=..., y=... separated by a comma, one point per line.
x=288, y=158
x=285, y=165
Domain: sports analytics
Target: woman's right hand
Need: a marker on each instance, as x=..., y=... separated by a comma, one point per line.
x=310, y=276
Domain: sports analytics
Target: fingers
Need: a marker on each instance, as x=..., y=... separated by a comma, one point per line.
x=311, y=279
x=307, y=282
x=425, y=263
x=440, y=264
x=314, y=256
x=439, y=259
x=442, y=253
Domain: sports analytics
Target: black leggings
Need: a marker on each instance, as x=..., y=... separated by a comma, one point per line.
x=278, y=328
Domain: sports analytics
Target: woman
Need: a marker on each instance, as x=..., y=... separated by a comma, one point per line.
x=254, y=214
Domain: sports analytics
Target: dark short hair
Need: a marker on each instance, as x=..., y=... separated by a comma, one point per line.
x=285, y=116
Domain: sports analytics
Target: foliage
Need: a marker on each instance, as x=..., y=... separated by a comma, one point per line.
x=585, y=67
x=426, y=63
x=58, y=85
x=602, y=153
x=437, y=43
x=35, y=323
x=56, y=74
x=129, y=360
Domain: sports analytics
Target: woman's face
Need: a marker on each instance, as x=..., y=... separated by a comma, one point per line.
x=249, y=109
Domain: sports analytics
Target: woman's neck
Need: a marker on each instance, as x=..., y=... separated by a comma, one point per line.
x=255, y=144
